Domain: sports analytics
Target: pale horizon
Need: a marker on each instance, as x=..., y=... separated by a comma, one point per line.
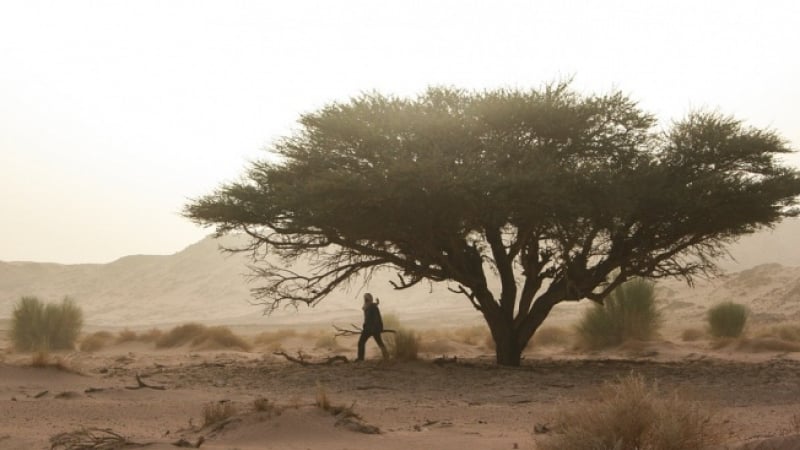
x=114, y=114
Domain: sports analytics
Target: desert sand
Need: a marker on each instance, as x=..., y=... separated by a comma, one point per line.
x=453, y=397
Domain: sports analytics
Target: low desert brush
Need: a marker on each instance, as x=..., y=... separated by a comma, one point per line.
x=727, y=319
x=404, y=343
x=627, y=313
x=219, y=338
x=180, y=335
x=216, y=412
x=551, y=336
x=96, y=341
x=37, y=326
x=631, y=414
x=262, y=404
x=127, y=335
x=692, y=334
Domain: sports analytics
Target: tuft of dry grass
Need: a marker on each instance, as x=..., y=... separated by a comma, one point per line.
x=42, y=360
x=552, y=337
x=180, y=335
x=202, y=337
x=90, y=439
x=152, y=335
x=404, y=343
x=632, y=414
x=476, y=336
x=262, y=404
x=127, y=335
x=96, y=341
x=219, y=338
x=36, y=326
x=692, y=334
x=268, y=338
x=783, y=331
x=216, y=412
x=327, y=342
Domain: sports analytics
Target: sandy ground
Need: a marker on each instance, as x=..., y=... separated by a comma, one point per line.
x=463, y=404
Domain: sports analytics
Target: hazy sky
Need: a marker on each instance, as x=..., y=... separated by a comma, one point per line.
x=114, y=113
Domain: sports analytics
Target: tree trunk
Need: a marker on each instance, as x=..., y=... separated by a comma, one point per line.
x=506, y=343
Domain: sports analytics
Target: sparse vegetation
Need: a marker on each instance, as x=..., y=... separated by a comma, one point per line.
x=42, y=359
x=628, y=313
x=327, y=342
x=127, y=335
x=90, y=439
x=216, y=412
x=36, y=326
x=552, y=336
x=404, y=343
x=692, y=334
x=262, y=404
x=200, y=336
x=727, y=319
x=96, y=341
x=631, y=414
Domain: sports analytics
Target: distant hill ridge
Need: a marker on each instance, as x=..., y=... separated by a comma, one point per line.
x=200, y=283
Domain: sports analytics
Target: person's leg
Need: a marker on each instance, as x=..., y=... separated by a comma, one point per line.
x=379, y=340
x=362, y=342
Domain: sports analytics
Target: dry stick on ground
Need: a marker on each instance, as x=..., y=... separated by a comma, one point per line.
x=301, y=359
x=142, y=384
x=354, y=331
x=90, y=439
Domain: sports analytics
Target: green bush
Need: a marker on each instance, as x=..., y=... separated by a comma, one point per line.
x=629, y=312
x=36, y=326
x=727, y=319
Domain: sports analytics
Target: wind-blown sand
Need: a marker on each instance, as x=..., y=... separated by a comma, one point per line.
x=753, y=388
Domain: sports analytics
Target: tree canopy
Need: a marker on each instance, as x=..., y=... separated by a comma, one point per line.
x=560, y=196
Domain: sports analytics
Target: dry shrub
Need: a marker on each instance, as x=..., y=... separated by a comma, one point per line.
x=180, y=335
x=727, y=319
x=477, y=336
x=90, y=439
x=692, y=334
x=404, y=343
x=218, y=338
x=262, y=404
x=96, y=341
x=274, y=339
x=630, y=414
x=216, y=412
x=321, y=400
x=42, y=360
x=127, y=335
x=552, y=336
x=152, y=335
x=36, y=326
x=628, y=313
x=783, y=331
x=767, y=344
x=327, y=342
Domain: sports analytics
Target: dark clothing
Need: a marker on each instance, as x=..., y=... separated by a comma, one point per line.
x=373, y=323
x=373, y=326
x=362, y=342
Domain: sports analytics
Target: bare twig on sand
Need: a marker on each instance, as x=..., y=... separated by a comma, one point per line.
x=141, y=384
x=354, y=330
x=301, y=359
x=91, y=439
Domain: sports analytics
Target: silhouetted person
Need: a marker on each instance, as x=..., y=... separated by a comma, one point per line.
x=373, y=326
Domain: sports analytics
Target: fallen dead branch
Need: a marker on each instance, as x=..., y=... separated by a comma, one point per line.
x=354, y=330
x=91, y=439
x=301, y=359
x=141, y=385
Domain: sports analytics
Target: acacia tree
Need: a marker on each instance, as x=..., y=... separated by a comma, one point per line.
x=557, y=195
